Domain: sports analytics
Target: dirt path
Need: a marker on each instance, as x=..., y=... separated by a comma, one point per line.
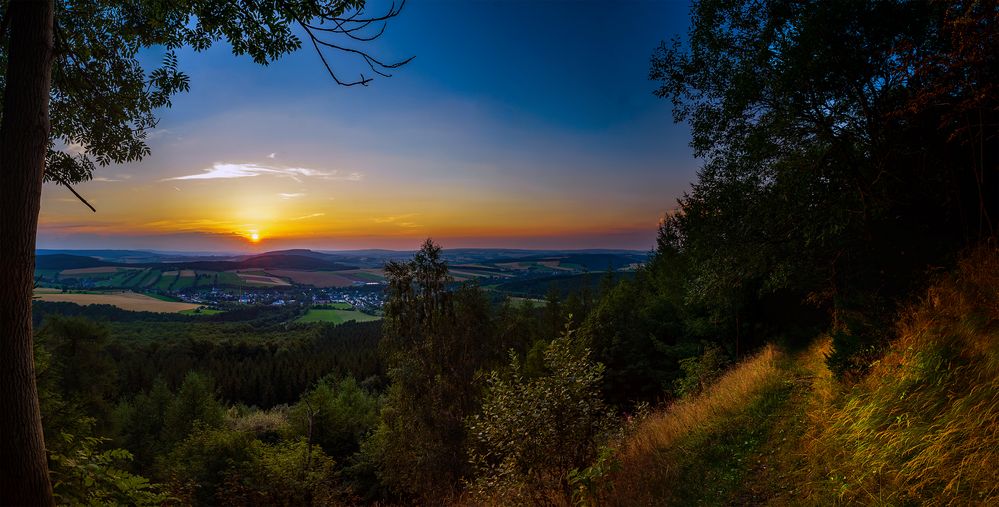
x=778, y=470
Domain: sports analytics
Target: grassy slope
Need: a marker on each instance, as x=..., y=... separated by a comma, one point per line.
x=921, y=428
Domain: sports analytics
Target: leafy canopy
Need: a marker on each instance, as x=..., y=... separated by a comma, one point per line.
x=104, y=99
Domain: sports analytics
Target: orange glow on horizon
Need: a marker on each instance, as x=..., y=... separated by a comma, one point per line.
x=284, y=213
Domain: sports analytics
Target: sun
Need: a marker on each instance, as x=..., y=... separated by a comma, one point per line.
x=254, y=237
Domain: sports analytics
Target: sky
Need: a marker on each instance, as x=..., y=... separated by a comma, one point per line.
x=518, y=124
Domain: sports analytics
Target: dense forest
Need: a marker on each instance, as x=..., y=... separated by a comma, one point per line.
x=817, y=323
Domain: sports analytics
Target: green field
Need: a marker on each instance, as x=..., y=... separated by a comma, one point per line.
x=185, y=282
x=166, y=281
x=121, y=278
x=367, y=277
x=339, y=306
x=228, y=278
x=335, y=316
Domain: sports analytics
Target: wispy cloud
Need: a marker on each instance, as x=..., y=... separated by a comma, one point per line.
x=156, y=133
x=116, y=177
x=391, y=218
x=292, y=195
x=314, y=215
x=272, y=155
x=201, y=224
x=228, y=171
x=75, y=148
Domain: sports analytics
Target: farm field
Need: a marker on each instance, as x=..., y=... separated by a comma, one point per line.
x=322, y=279
x=335, y=316
x=366, y=275
x=340, y=306
x=468, y=274
x=167, y=280
x=188, y=278
x=479, y=270
x=260, y=279
x=325, y=279
x=125, y=300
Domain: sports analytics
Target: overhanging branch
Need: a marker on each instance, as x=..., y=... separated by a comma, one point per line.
x=351, y=27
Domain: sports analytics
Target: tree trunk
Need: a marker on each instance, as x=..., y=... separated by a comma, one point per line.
x=24, y=137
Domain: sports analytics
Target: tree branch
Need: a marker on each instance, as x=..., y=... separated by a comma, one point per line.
x=78, y=196
x=348, y=26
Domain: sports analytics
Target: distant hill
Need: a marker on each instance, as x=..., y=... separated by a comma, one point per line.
x=267, y=260
x=300, y=258
x=581, y=261
x=564, y=285
x=101, y=254
x=67, y=261
x=299, y=252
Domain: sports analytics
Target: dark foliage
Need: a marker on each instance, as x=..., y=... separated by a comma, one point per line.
x=848, y=147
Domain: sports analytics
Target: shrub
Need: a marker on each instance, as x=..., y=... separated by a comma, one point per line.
x=533, y=431
x=700, y=371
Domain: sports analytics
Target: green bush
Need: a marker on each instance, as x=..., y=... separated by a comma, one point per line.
x=701, y=371
x=533, y=431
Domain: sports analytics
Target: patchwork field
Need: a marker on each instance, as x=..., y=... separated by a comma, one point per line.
x=125, y=300
x=263, y=280
x=366, y=275
x=315, y=278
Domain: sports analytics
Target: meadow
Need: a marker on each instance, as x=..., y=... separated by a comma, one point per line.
x=335, y=316
x=126, y=300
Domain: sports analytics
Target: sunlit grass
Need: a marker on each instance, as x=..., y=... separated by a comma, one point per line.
x=921, y=429
x=704, y=440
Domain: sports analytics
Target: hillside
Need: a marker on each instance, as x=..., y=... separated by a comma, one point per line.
x=268, y=260
x=920, y=428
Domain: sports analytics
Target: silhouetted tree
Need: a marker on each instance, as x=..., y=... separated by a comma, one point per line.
x=831, y=174
x=71, y=77
x=435, y=339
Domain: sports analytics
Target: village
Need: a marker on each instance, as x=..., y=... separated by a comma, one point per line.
x=367, y=298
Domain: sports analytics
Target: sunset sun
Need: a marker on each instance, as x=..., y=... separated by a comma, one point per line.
x=254, y=237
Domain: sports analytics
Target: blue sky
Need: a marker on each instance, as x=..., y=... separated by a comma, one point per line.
x=519, y=124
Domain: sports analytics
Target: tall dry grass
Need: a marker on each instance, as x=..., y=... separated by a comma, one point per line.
x=923, y=426
x=921, y=429
x=654, y=455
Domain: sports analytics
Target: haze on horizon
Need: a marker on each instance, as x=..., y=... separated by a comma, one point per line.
x=518, y=125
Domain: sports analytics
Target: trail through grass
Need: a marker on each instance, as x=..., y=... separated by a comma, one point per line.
x=922, y=428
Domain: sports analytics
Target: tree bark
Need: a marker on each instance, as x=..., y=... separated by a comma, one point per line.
x=24, y=137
